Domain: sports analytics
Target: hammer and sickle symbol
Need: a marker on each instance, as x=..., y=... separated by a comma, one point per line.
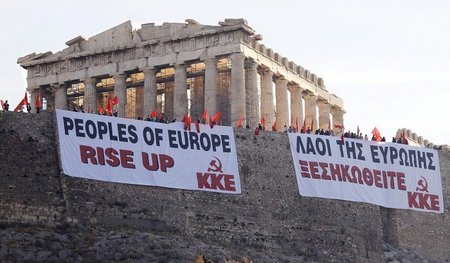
x=214, y=166
x=422, y=185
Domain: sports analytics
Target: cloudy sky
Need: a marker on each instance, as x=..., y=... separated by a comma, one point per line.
x=388, y=60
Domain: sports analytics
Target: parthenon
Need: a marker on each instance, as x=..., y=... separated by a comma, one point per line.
x=180, y=68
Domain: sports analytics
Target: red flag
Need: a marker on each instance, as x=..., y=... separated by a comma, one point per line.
x=404, y=141
x=100, y=109
x=197, y=126
x=187, y=122
x=217, y=117
x=204, y=116
x=263, y=122
x=329, y=125
x=211, y=124
x=376, y=134
x=108, y=107
x=25, y=99
x=19, y=106
x=304, y=126
x=338, y=126
x=274, y=126
x=153, y=114
x=239, y=122
x=3, y=104
x=115, y=100
x=312, y=126
x=296, y=124
x=38, y=101
x=214, y=119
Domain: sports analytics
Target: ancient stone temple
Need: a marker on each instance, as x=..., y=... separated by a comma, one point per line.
x=180, y=68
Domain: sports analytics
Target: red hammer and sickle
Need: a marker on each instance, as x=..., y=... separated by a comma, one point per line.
x=214, y=167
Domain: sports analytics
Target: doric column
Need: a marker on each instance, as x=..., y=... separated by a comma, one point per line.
x=168, y=101
x=90, y=95
x=237, y=89
x=267, y=97
x=150, y=97
x=120, y=90
x=61, y=97
x=324, y=114
x=338, y=119
x=251, y=93
x=211, y=85
x=180, y=105
x=33, y=96
x=297, y=105
x=310, y=111
x=282, y=103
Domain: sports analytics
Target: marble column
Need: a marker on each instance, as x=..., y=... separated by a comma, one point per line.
x=150, y=95
x=237, y=89
x=197, y=98
x=61, y=97
x=139, y=103
x=90, y=95
x=120, y=90
x=180, y=105
x=338, y=118
x=33, y=96
x=297, y=106
x=211, y=85
x=324, y=114
x=310, y=111
x=281, y=93
x=267, y=97
x=169, y=101
x=251, y=93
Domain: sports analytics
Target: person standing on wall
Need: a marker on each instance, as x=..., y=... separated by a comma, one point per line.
x=6, y=105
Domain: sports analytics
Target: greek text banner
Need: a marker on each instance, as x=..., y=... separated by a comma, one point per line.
x=386, y=174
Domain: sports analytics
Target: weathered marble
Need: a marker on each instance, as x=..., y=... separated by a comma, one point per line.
x=296, y=105
x=153, y=48
x=237, y=89
x=267, y=107
x=150, y=95
x=121, y=92
x=251, y=93
x=282, y=109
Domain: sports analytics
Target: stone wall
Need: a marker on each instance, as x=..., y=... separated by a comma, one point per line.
x=428, y=233
x=268, y=216
x=30, y=187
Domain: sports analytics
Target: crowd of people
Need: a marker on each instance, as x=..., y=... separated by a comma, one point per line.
x=329, y=132
x=161, y=119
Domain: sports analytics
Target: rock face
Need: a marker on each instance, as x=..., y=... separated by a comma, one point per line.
x=47, y=216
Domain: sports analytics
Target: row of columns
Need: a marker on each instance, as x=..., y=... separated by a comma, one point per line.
x=244, y=96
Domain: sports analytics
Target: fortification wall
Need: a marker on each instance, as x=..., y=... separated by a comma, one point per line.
x=428, y=233
x=269, y=215
x=30, y=186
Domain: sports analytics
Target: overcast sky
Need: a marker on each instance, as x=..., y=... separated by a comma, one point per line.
x=388, y=60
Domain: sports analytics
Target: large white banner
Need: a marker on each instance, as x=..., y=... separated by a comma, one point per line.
x=386, y=174
x=148, y=153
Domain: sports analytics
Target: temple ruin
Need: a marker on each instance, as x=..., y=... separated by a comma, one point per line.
x=180, y=68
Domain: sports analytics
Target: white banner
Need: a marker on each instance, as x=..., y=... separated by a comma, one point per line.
x=386, y=174
x=148, y=153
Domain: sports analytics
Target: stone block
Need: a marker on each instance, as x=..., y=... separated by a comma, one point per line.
x=109, y=70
